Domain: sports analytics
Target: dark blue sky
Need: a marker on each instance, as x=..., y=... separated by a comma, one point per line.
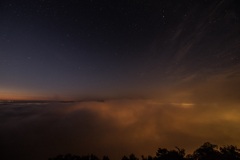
x=101, y=49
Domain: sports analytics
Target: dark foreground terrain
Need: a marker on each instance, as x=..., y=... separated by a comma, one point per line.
x=207, y=151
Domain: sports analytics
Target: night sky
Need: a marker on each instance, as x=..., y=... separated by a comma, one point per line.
x=143, y=74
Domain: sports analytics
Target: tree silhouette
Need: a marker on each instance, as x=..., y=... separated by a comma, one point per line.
x=130, y=157
x=207, y=151
x=66, y=157
x=74, y=157
x=148, y=158
x=230, y=153
x=105, y=158
x=164, y=154
x=125, y=158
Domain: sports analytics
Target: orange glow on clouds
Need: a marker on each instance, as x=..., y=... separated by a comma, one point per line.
x=120, y=127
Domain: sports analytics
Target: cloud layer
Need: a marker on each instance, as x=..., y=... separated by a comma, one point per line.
x=114, y=128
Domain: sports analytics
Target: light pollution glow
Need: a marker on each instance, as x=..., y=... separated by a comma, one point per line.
x=115, y=127
x=184, y=116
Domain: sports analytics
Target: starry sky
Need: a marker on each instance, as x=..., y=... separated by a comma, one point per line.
x=104, y=49
x=162, y=72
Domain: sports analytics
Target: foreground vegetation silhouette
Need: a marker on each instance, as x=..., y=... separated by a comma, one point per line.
x=207, y=151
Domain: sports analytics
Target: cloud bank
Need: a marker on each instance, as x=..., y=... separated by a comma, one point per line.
x=114, y=127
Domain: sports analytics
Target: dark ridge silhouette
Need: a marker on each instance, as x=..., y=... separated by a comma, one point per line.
x=207, y=151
